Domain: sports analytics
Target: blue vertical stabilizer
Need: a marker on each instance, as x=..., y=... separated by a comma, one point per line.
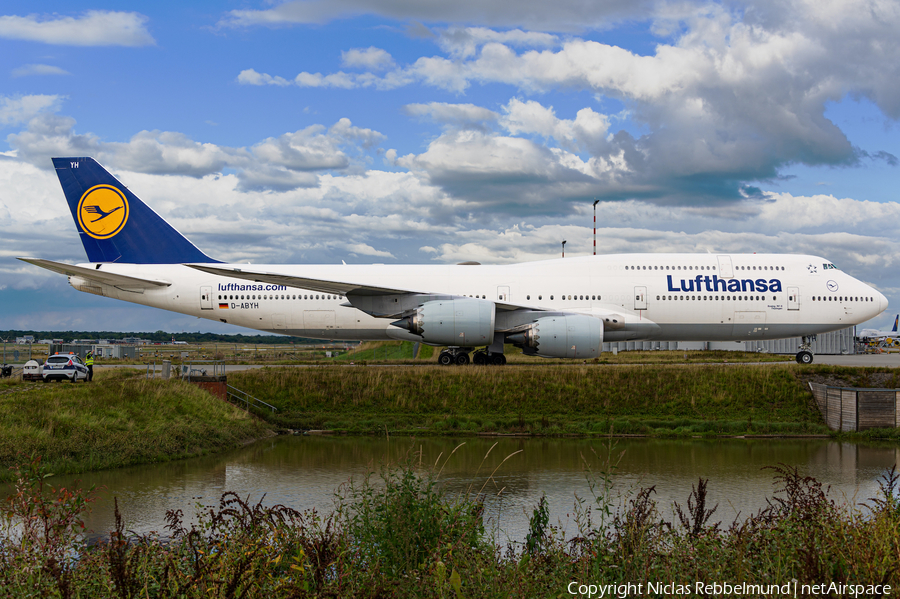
x=114, y=224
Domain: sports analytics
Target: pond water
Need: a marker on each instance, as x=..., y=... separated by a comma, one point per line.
x=304, y=472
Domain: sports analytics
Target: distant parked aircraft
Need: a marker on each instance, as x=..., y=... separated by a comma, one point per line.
x=890, y=337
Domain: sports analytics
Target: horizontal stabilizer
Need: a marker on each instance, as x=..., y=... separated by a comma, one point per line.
x=95, y=274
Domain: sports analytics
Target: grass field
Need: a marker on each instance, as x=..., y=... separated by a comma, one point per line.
x=118, y=420
x=546, y=399
x=124, y=419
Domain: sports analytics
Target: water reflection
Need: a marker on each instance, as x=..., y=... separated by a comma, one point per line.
x=305, y=472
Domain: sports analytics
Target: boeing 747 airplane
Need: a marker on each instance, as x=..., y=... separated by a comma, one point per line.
x=562, y=308
x=891, y=337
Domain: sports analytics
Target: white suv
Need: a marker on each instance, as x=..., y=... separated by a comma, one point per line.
x=64, y=367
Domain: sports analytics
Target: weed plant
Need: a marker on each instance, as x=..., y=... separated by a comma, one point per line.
x=400, y=535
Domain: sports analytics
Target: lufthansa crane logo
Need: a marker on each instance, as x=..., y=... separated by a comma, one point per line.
x=102, y=211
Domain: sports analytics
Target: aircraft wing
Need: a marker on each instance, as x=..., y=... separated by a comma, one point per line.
x=95, y=274
x=323, y=286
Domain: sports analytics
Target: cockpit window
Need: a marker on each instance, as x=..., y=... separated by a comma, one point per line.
x=828, y=266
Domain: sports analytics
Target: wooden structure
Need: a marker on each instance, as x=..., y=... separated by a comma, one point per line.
x=852, y=409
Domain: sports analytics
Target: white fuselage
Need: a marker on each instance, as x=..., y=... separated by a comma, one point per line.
x=669, y=297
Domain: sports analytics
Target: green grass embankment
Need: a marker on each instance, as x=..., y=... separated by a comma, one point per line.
x=539, y=399
x=118, y=420
x=401, y=352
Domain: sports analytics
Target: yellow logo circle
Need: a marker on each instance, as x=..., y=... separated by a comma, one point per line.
x=102, y=211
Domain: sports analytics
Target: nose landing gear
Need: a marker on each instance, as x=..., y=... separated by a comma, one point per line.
x=805, y=355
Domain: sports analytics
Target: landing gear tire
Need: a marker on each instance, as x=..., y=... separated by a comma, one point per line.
x=804, y=357
x=480, y=358
x=445, y=359
x=462, y=359
x=497, y=359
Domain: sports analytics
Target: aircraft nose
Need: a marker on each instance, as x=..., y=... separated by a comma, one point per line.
x=882, y=302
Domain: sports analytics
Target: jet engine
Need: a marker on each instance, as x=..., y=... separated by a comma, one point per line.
x=464, y=322
x=569, y=336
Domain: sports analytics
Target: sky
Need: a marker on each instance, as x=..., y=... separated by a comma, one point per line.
x=428, y=132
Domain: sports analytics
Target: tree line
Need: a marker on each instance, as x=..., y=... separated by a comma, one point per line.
x=158, y=337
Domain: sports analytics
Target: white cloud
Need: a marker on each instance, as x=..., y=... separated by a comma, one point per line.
x=731, y=96
x=363, y=249
x=290, y=161
x=371, y=58
x=166, y=152
x=251, y=77
x=463, y=42
x=453, y=115
x=94, y=28
x=38, y=69
x=588, y=131
x=16, y=110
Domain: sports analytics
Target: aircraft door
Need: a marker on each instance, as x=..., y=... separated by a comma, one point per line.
x=206, y=298
x=503, y=294
x=726, y=271
x=640, y=298
x=793, y=298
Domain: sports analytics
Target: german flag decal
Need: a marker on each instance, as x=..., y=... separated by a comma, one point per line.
x=223, y=306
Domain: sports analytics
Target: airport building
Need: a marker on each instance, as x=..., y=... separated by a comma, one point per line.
x=104, y=350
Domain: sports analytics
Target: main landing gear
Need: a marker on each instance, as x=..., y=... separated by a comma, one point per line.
x=805, y=355
x=486, y=358
x=453, y=355
x=460, y=357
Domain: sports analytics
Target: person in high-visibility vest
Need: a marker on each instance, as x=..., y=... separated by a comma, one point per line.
x=89, y=362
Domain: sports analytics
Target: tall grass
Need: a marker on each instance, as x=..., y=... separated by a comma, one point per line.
x=402, y=536
x=545, y=399
x=117, y=420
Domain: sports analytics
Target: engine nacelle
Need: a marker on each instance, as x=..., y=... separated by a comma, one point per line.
x=570, y=336
x=463, y=322
x=82, y=284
